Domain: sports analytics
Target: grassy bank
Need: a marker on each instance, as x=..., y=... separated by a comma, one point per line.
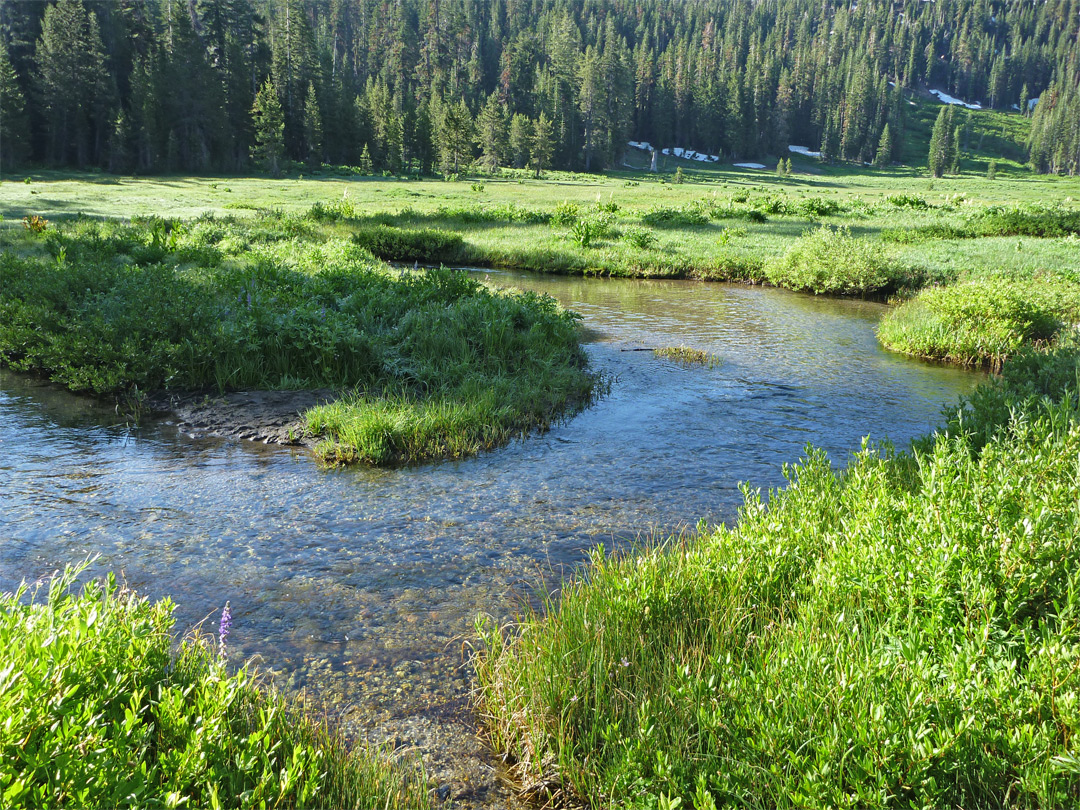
x=103, y=710
x=983, y=321
x=277, y=301
x=901, y=633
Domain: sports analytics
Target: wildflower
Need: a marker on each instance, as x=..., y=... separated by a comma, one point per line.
x=624, y=663
x=224, y=626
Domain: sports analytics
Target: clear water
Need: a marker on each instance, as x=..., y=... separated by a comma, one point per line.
x=362, y=585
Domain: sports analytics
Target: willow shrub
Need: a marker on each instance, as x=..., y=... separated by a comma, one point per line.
x=102, y=710
x=832, y=261
x=902, y=633
x=981, y=321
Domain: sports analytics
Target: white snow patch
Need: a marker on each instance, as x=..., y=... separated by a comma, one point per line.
x=644, y=145
x=749, y=165
x=1031, y=103
x=804, y=150
x=945, y=98
x=690, y=154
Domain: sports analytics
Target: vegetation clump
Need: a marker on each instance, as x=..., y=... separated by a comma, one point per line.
x=833, y=261
x=104, y=709
x=904, y=631
x=688, y=356
x=982, y=321
x=113, y=309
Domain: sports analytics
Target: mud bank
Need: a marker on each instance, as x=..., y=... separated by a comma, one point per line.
x=270, y=417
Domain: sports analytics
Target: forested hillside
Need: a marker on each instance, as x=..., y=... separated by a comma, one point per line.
x=431, y=85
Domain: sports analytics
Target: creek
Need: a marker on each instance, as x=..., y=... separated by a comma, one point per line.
x=360, y=586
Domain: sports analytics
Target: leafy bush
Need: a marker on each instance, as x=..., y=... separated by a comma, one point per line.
x=427, y=245
x=689, y=215
x=908, y=201
x=641, y=238
x=99, y=712
x=1029, y=220
x=332, y=212
x=819, y=207
x=566, y=213
x=831, y=260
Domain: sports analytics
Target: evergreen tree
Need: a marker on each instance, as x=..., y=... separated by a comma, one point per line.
x=74, y=88
x=14, y=124
x=455, y=138
x=991, y=170
x=520, y=141
x=543, y=144
x=365, y=161
x=269, y=120
x=940, y=158
x=885, y=149
x=491, y=135
x=313, y=128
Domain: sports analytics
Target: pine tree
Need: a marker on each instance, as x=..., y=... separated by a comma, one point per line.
x=14, y=125
x=941, y=150
x=885, y=149
x=953, y=157
x=455, y=138
x=365, y=161
x=787, y=167
x=491, y=133
x=991, y=170
x=313, y=129
x=520, y=141
x=73, y=84
x=269, y=120
x=543, y=144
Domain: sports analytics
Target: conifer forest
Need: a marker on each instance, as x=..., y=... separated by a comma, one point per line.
x=423, y=85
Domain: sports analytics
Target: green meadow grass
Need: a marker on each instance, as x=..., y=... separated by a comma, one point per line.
x=431, y=363
x=905, y=632
x=102, y=708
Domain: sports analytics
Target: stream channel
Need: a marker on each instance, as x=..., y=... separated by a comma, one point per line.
x=360, y=586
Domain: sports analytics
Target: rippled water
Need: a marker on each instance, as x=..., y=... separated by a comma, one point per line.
x=363, y=584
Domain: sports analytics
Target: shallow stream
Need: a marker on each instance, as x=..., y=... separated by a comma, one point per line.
x=360, y=586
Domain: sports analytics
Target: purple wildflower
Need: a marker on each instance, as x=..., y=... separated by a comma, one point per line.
x=224, y=626
x=624, y=663
x=249, y=298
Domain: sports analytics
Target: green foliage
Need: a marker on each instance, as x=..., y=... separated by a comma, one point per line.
x=566, y=213
x=102, y=712
x=690, y=215
x=832, y=261
x=982, y=321
x=901, y=633
x=269, y=121
x=112, y=309
x=641, y=238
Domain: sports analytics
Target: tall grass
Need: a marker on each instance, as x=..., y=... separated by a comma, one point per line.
x=111, y=308
x=901, y=633
x=102, y=710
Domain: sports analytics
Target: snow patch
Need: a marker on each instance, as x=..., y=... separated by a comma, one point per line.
x=945, y=98
x=749, y=165
x=690, y=154
x=804, y=150
x=1031, y=103
x=643, y=145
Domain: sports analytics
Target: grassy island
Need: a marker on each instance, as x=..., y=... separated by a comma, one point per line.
x=429, y=363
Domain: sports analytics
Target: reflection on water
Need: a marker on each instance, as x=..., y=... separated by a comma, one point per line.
x=364, y=583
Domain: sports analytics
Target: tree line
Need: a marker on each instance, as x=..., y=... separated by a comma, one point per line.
x=434, y=85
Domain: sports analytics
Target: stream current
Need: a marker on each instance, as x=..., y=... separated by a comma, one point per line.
x=360, y=586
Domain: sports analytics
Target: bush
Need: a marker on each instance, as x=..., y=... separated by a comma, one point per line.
x=428, y=245
x=689, y=215
x=832, y=261
x=908, y=201
x=100, y=712
x=641, y=238
x=566, y=213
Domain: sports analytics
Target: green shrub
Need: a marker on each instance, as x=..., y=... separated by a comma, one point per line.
x=428, y=245
x=641, y=238
x=566, y=213
x=332, y=212
x=689, y=215
x=832, y=261
x=908, y=201
x=100, y=711
x=1028, y=220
